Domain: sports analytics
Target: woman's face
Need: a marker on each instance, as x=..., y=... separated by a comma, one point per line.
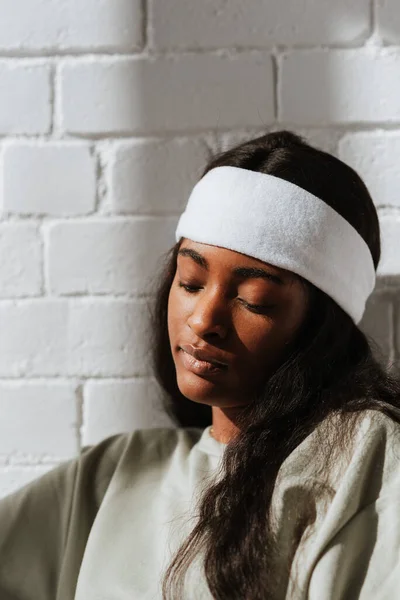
x=240, y=310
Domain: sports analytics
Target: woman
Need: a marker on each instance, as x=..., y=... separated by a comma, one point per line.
x=281, y=479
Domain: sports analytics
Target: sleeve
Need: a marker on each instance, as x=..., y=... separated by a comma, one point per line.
x=363, y=560
x=45, y=525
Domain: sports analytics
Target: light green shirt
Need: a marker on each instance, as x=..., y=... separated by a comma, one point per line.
x=105, y=525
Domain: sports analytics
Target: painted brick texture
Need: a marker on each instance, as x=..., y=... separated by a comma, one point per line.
x=186, y=92
x=25, y=98
x=37, y=26
x=50, y=179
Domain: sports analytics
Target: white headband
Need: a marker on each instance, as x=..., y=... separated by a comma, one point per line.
x=278, y=222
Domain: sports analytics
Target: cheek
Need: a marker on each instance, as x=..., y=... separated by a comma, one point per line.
x=264, y=344
x=255, y=339
x=274, y=334
x=175, y=312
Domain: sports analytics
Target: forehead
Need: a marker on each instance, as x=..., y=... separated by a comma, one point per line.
x=224, y=257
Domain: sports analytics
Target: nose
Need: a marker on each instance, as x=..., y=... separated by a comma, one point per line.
x=209, y=316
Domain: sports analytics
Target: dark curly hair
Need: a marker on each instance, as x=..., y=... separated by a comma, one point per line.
x=331, y=368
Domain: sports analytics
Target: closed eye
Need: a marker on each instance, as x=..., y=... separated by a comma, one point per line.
x=258, y=308
x=189, y=288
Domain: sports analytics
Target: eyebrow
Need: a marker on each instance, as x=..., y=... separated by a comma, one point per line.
x=242, y=272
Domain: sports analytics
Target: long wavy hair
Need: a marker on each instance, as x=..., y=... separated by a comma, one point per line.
x=331, y=368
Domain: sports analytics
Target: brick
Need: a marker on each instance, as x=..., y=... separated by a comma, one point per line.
x=34, y=336
x=218, y=24
x=388, y=20
x=12, y=478
x=20, y=260
x=163, y=94
x=155, y=176
x=112, y=407
x=390, y=237
x=83, y=338
x=52, y=178
x=108, y=339
x=325, y=87
x=25, y=105
x=116, y=257
x=374, y=157
x=38, y=420
x=52, y=25
x=377, y=323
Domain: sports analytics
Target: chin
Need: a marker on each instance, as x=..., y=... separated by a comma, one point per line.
x=199, y=390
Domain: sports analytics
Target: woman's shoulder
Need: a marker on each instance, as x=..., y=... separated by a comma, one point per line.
x=48, y=521
x=139, y=446
x=350, y=450
x=358, y=537
x=136, y=451
x=94, y=466
x=370, y=445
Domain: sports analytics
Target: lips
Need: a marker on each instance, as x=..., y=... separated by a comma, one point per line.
x=202, y=368
x=205, y=355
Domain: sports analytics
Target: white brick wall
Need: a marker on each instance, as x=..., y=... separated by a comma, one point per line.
x=390, y=230
x=83, y=337
x=388, y=21
x=20, y=260
x=337, y=86
x=184, y=92
x=106, y=256
x=25, y=95
x=109, y=110
x=218, y=24
x=139, y=170
x=113, y=406
x=41, y=420
x=49, y=178
x=37, y=26
x=375, y=156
